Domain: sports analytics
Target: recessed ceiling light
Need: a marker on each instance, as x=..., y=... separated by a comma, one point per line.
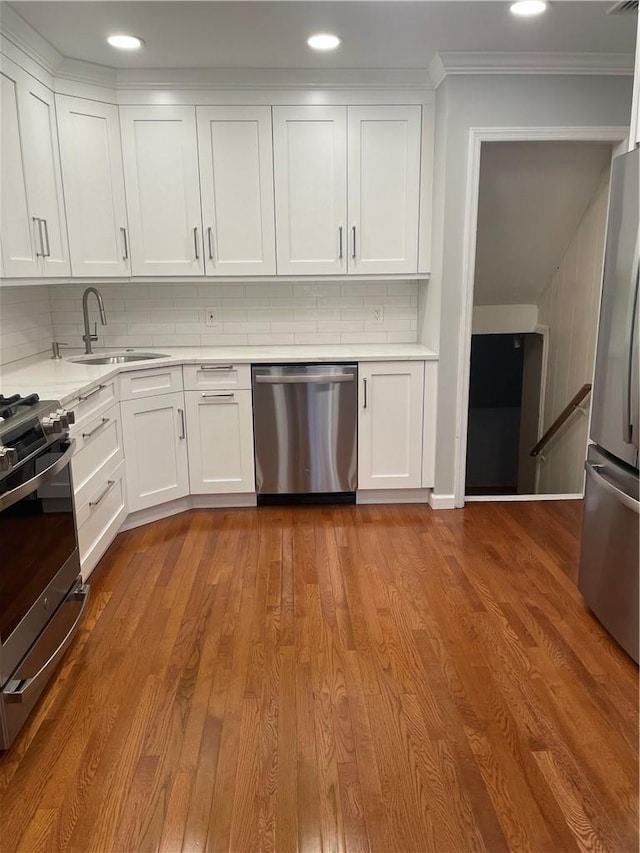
x=324, y=41
x=125, y=42
x=528, y=8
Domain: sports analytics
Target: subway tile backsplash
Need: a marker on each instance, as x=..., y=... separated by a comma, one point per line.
x=25, y=322
x=246, y=314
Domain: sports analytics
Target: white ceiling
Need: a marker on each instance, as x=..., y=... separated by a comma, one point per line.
x=532, y=198
x=376, y=35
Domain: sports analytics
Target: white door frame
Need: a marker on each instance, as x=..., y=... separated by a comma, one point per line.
x=478, y=135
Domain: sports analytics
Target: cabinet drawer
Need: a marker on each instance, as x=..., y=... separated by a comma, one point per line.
x=198, y=377
x=150, y=382
x=101, y=515
x=98, y=445
x=91, y=403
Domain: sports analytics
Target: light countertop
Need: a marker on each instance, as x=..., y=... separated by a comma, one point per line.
x=63, y=380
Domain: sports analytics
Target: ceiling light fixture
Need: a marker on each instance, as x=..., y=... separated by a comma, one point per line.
x=324, y=41
x=528, y=8
x=125, y=42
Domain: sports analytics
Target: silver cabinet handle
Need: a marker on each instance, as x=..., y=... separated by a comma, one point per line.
x=125, y=244
x=103, y=493
x=196, y=243
x=96, y=429
x=304, y=379
x=46, y=234
x=183, y=427
x=91, y=393
x=216, y=367
x=340, y=242
x=39, y=254
x=353, y=232
x=210, y=243
x=217, y=396
x=364, y=385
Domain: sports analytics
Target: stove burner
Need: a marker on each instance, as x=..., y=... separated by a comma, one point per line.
x=11, y=404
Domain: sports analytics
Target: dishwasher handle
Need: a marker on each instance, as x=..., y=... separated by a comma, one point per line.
x=305, y=379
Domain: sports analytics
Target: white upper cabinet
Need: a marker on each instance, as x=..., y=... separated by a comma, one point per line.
x=310, y=173
x=236, y=180
x=384, y=189
x=94, y=187
x=34, y=232
x=160, y=152
x=390, y=425
x=347, y=182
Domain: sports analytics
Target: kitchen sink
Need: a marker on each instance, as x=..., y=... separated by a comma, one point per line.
x=117, y=357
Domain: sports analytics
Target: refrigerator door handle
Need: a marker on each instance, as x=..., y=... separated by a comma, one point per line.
x=608, y=486
x=631, y=392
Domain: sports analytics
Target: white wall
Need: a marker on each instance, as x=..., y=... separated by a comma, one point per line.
x=569, y=307
x=159, y=315
x=464, y=102
x=25, y=322
x=504, y=319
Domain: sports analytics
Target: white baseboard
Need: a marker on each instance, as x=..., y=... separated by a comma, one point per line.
x=393, y=496
x=510, y=498
x=442, y=501
x=156, y=513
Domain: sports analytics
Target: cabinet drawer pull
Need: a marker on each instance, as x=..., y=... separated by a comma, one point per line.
x=353, y=231
x=364, y=383
x=103, y=493
x=125, y=244
x=183, y=428
x=210, y=243
x=340, y=242
x=206, y=367
x=96, y=429
x=206, y=396
x=196, y=243
x=91, y=393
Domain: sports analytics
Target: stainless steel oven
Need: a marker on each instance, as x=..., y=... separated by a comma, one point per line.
x=42, y=597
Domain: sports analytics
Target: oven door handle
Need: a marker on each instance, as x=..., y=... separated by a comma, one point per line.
x=20, y=689
x=21, y=491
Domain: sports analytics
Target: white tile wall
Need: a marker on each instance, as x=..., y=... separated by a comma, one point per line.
x=25, y=322
x=279, y=313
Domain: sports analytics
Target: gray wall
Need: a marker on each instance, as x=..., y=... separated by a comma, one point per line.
x=486, y=101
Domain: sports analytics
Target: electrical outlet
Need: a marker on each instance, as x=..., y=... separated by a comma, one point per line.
x=377, y=314
x=211, y=317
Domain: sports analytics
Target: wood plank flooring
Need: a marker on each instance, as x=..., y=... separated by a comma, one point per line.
x=327, y=679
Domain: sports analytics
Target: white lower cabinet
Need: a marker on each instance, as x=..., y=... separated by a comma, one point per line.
x=100, y=517
x=155, y=449
x=220, y=431
x=390, y=401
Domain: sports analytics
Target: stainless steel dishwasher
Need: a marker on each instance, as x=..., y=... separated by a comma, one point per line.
x=304, y=422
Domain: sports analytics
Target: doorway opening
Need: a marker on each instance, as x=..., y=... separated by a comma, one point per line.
x=541, y=223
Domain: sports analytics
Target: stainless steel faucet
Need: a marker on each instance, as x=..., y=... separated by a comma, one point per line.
x=88, y=337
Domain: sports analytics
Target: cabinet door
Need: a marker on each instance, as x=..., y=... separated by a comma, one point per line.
x=384, y=189
x=236, y=180
x=155, y=450
x=220, y=429
x=310, y=173
x=44, y=178
x=93, y=186
x=17, y=229
x=390, y=425
x=160, y=152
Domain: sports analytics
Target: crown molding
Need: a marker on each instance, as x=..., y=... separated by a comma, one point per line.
x=198, y=79
x=446, y=63
x=22, y=35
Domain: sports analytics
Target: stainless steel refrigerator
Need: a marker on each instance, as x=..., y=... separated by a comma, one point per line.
x=608, y=577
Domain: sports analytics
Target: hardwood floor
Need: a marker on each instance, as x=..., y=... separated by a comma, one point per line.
x=348, y=678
